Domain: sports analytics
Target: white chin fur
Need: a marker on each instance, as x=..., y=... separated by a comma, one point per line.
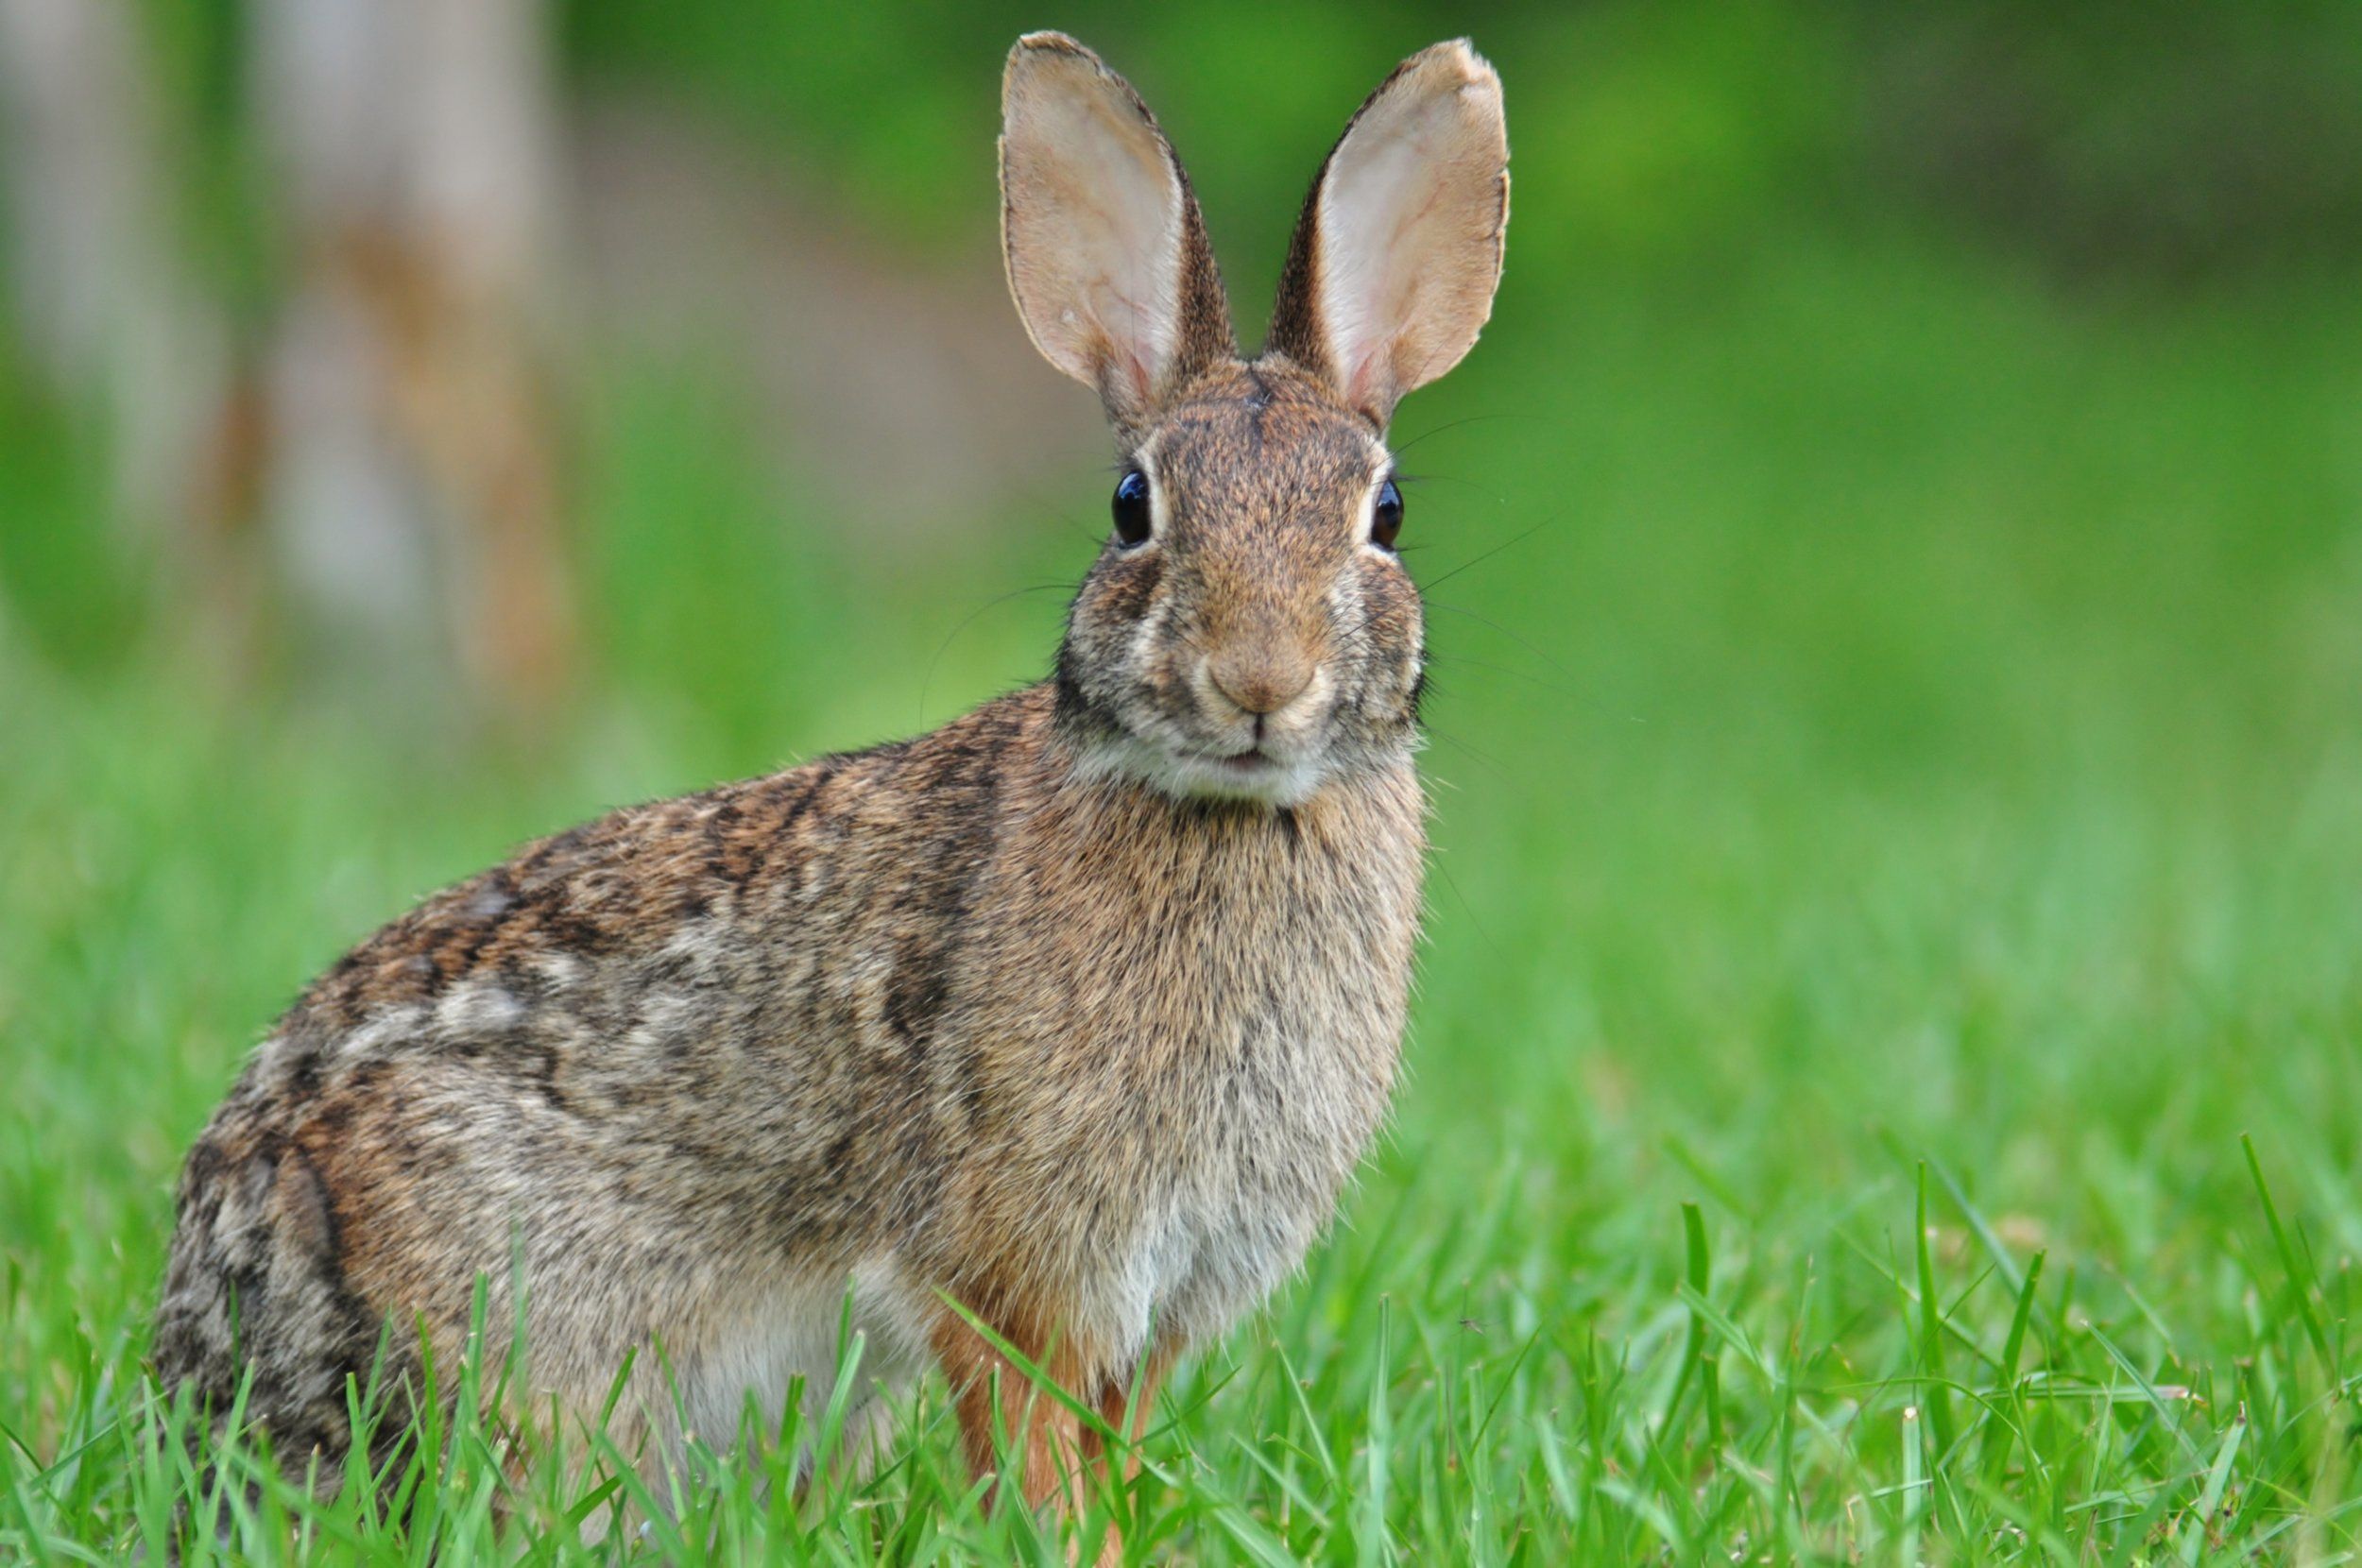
x=1184, y=776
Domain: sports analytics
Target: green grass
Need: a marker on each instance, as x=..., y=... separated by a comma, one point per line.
x=1896, y=792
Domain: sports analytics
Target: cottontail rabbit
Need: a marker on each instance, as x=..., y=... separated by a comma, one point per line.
x=1078, y=1012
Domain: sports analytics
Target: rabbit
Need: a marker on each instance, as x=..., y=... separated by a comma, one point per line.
x=1072, y=1018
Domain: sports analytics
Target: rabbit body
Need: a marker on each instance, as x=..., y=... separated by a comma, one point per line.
x=1072, y=1018
x=956, y=1016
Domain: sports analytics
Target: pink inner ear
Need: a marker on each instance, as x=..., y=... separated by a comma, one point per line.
x=1140, y=374
x=1389, y=221
x=1094, y=224
x=1370, y=378
x=1409, y=240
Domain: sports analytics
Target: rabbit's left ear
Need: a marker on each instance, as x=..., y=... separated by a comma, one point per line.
x=1391, y=274
x=1107, y=252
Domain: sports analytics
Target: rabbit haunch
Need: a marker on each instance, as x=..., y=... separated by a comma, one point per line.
x=1072, y=1018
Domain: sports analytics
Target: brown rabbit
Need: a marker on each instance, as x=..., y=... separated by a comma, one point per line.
x=1078, y=1012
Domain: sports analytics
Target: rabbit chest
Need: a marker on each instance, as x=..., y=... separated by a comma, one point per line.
x=1205, y=1032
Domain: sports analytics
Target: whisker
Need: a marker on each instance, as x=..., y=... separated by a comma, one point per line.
x=1480, y=560
x=1490, y=761
x=1513, y=637
x=1568, y=692
x=1418, y=482
x=1471, y=420
x=1469, y=909
x=968, y=620
x=1042, y=503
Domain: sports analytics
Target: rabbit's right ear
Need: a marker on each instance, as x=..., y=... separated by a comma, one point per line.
x=1391, y=271
x=1107, y=253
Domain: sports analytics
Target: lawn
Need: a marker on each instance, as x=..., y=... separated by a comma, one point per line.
x=1883, y=1082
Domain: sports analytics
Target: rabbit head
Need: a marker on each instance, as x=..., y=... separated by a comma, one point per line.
x=1247, y=630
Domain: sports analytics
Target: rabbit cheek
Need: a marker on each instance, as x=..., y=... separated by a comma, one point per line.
x=1112, y=634
x=1388, y=649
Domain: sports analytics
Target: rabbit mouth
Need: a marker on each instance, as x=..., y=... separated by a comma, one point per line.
x=1258, y=760
x=1187, y=771
x=1185, y=762
x=1255, y=772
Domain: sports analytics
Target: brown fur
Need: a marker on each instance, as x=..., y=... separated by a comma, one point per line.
x=1012, y=1015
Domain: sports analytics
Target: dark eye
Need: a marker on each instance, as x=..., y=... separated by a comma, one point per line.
x=1386, y=516
x=1131, y=509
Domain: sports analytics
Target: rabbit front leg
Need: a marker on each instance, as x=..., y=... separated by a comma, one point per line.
x=1124, y=1404
x=1063, y=1458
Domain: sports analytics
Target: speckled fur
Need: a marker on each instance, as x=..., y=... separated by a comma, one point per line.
x=1010, y=1015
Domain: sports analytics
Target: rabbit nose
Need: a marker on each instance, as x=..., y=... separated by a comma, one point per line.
x=1260, y=680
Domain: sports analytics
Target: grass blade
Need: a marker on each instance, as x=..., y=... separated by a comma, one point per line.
x=1995, y=1458
x=2195, y=1528
x=2300, y=1275
x=1935, y=1397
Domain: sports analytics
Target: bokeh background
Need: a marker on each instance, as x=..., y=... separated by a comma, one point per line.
x=1894, y=562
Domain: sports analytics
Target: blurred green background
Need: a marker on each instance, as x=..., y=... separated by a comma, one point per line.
x=1894, y=563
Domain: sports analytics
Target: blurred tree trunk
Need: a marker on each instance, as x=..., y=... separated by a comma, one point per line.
x=108, y=313
x=412, y=489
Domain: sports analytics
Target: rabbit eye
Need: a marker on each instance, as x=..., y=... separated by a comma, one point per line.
x=1386, y=516
x=1131, y=509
